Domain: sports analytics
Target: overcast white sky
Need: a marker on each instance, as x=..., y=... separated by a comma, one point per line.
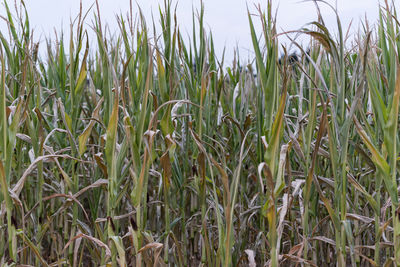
x=226, y=18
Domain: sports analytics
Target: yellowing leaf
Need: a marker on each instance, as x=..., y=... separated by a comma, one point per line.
x=83, y=138
x=83, y=72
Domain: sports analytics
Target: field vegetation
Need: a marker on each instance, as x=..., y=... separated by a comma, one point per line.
x=145, y=148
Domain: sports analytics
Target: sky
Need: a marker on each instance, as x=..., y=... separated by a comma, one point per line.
x=227, y=19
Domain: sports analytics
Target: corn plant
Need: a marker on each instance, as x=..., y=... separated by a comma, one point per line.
x=144, y=147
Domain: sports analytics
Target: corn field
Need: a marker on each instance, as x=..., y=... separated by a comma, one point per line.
x=144, y=148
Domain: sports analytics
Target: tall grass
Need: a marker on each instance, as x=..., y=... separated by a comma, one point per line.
x=145, y=148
